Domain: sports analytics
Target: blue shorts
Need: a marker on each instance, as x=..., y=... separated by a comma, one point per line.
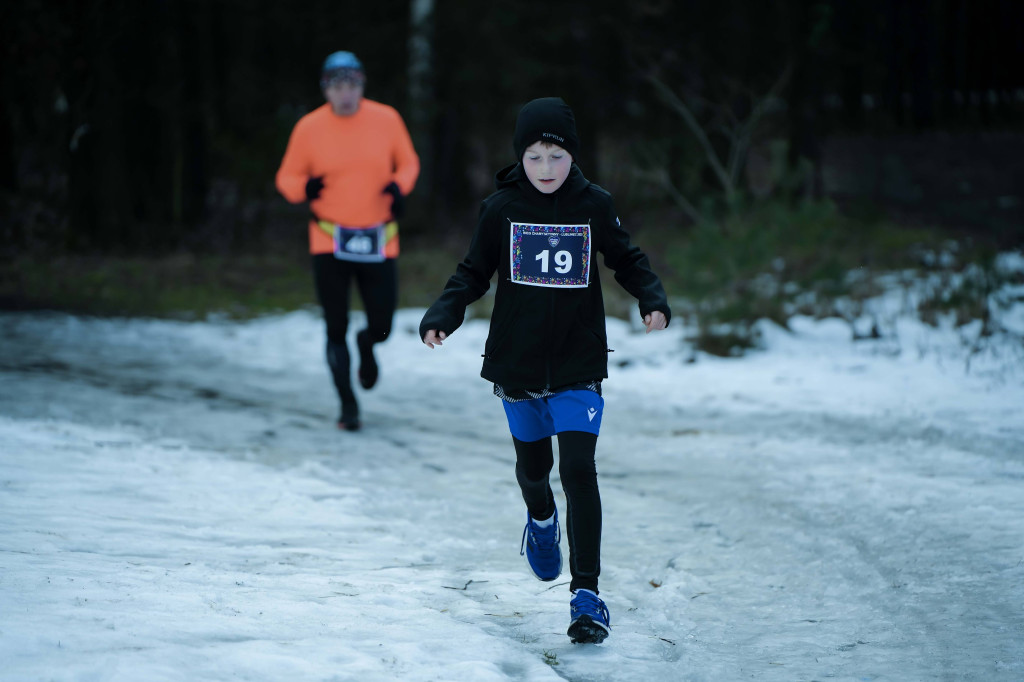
x=576, y=410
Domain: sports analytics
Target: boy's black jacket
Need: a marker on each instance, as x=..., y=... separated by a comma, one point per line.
x=544, y=337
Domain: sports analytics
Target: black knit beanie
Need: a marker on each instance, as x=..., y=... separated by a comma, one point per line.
x=547, y=119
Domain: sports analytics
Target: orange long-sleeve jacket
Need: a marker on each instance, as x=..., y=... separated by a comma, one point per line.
x=357, y=156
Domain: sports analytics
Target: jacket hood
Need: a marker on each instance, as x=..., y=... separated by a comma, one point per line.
x=514, y=176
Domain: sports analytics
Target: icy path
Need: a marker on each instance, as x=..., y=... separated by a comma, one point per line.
x=176, y=506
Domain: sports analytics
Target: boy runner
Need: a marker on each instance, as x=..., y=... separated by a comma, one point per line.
x=546, y=350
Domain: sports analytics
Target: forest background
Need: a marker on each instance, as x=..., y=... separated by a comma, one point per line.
x=792, y=157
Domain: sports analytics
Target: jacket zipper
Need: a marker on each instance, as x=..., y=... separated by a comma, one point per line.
x=551, y=320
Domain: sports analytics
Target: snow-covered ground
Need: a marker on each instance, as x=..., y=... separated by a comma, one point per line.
x=175, y=504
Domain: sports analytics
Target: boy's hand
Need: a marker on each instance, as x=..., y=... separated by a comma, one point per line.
x=655, y=321
x=434, y=338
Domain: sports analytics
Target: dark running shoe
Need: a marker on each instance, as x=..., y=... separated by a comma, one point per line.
x=590, y=622
x=368, y=370
x=349, y=419
x=540, y=545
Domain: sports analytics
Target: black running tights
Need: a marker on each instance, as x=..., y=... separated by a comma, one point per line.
x=582, y=519
x=378, y=287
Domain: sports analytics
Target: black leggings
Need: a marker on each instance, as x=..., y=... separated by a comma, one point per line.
x=378, y=287
x=578, y=471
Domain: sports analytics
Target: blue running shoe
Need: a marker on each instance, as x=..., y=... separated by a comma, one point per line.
x=590, y=620
x=540, y=545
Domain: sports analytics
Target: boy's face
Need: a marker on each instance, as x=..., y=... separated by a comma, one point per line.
x=547, y=166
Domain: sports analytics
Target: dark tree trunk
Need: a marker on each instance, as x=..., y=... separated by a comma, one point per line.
x=851, y=30
x=805, y=96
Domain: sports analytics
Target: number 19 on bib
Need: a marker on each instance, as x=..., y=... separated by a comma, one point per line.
x=550, y=255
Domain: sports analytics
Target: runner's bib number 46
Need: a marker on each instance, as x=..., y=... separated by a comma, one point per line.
x=364, y=244
x=551, y=255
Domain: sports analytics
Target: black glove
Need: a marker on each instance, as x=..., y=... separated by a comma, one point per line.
x=313, y=187
x=397, y=200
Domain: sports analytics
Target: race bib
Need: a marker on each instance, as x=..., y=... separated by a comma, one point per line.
x=551, y=255
x=364, y=244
